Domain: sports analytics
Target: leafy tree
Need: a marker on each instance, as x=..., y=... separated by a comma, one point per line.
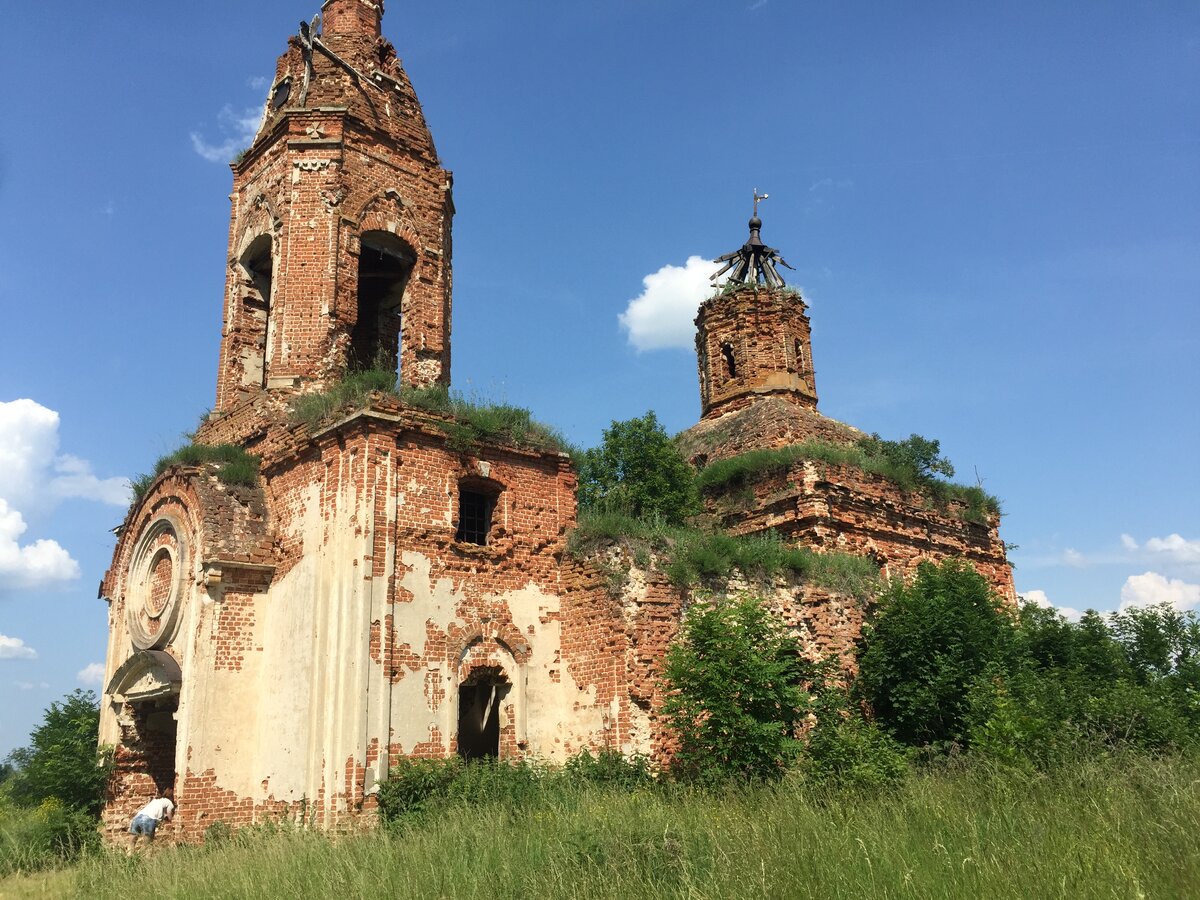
x=916, y=458
x=638, y=470
x=928, y=642
x=62, y=761
x=733, y=697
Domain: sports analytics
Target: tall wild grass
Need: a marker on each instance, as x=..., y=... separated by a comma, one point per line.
x=1108, y=826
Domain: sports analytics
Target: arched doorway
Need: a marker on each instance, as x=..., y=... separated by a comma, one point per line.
x=480, y=698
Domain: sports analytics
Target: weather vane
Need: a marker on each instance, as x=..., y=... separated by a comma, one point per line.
x=757, y=197
x=755, y=262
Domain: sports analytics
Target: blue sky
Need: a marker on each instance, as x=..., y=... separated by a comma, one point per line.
x=992, y=209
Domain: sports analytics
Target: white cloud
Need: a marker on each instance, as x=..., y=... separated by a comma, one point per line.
x=93, y=673
x=1150, y=589
x=33, y=478
x=28, y=444
x=1039, y=598
x=15, y=648
x=39, y=564
x=29, y=685
x=1176, y=548
x=663, y=314
x=1074, y=558
x=238, y=129
x=257, y=83
x=74, y=478
x=1128, y=543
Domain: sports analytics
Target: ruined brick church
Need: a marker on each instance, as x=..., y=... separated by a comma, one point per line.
x=379, y=592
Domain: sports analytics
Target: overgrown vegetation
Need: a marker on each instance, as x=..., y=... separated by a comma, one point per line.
x=1103, y=826
x=473, y=421
x=52, y=790
x=416, y=787
x=638, y=471
x=732, y=694
x=691, y=556
x=914, y=464
x=233, y=465
x=942, y=665
x=637, y=491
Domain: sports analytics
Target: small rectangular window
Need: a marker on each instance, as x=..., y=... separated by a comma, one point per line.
x=474, y=517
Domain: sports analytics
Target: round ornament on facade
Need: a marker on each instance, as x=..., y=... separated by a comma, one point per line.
x=155, y=584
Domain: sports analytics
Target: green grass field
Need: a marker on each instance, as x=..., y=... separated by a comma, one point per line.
x=1111, y=827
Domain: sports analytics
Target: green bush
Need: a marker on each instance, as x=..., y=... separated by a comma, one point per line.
x=43, y=836
x=842, y=748
x=1124, y=680
x=54, y=790
x=928, y=643
x=638, y=471
x=732, y=696
x=62, y=762
x=609, y=768
x=413, y=785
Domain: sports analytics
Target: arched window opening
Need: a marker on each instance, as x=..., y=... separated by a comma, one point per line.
x=258, y=268
x=800, y=356
x=479, y=700
x=384, y=265
x=730, y=363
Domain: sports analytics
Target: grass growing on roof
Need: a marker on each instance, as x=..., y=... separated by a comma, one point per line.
x=474, y=421
x=912, y=465
x=234, y=466
x=690, y=556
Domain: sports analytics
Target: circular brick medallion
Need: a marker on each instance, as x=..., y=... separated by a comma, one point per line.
x=155, y=584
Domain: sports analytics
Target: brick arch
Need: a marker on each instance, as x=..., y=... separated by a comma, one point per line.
x=491, y=656
x=488, y=638
x=388, y=211
x=259, y=219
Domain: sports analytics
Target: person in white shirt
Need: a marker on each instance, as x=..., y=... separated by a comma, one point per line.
x=148, y=818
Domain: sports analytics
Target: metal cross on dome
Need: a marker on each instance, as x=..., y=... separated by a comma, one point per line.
x=755, y=262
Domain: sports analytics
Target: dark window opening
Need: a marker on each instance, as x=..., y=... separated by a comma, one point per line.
x=151, y=745
x=474, y=516
x=730, y=363
x=479, y=701
x=258, y=263
x=384, y=266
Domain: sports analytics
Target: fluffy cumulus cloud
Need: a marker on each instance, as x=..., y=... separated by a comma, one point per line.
x=237, y=130
x=1174, y=548
x=1039, y=598
x=33, y=478
x=91, y=674
x=40, y=563
x=1151, y=589
x=15, y=648
x=662, y=315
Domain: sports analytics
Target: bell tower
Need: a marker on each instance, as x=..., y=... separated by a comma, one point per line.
x=753, y=338
x=339, y=241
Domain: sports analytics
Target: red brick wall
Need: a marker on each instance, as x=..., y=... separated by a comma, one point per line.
x=765, y=333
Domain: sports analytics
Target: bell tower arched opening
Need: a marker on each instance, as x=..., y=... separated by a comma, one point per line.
x=385, y=264
x=257, y=265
